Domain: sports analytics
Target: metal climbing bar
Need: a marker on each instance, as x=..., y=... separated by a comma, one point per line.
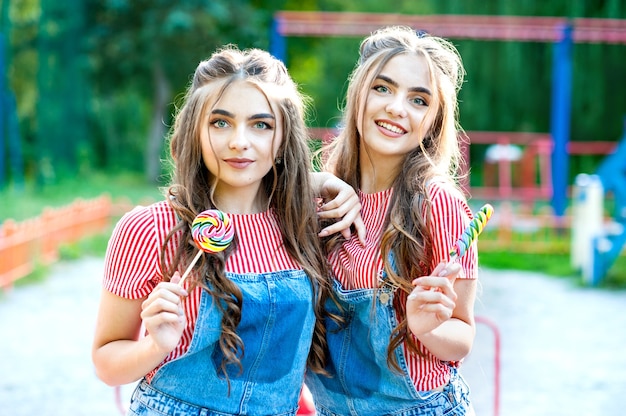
x=496, y=357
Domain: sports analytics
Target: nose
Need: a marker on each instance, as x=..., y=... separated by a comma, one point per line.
x=396, y=106
x=239, y=140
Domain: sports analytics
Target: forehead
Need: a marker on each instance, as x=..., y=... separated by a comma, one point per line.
x=408, y=70
x=243, y=96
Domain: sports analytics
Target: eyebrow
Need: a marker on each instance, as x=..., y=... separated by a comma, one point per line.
x=252, y=117
x=388, y=80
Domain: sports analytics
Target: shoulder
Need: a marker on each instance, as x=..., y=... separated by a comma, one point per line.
x=444, y=192
x=449, y=215
x=156, y=209
x=147, y=217
x=132, y=266
x=143, y=226
x=447, y=200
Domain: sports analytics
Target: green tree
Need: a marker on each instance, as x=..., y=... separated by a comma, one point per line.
x=321, y=65
x=508, y=84
x=96, y=81
x=153, y=46
x=20, y=21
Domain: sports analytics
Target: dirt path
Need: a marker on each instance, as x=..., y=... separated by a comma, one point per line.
x=45, y=361
x=562, y=347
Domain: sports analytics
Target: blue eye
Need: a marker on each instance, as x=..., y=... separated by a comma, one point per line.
x=419, y=101
x=262, y=125
x=220, y=124
x=380, y=88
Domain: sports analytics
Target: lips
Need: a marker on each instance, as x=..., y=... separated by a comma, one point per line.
x=393, y=128
x=239, y=163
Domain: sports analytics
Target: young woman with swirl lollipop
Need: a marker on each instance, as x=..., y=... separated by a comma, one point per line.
x=236, y=337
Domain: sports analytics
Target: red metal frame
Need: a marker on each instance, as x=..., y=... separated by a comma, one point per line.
x=536, y=161
x=519, y=28
x=496, y=365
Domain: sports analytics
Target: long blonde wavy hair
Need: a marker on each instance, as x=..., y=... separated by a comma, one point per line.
x=438, y=155
x=287, y=187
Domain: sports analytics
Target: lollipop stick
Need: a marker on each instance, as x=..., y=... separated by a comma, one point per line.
x=193, y=262
x=453, y=258
x=469, y=236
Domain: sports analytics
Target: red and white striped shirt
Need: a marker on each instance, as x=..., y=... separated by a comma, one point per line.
x=132, y=267
x=357, y=267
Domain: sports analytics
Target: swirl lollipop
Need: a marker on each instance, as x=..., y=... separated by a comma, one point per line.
x=212, y=231
x=471, y=232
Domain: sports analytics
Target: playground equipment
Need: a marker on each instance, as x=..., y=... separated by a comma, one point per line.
x=496, y=356
x=596, y=242
x=608, y=244
x=587, y=222
x=561, y=32
x=507, y=176
x=547, y=152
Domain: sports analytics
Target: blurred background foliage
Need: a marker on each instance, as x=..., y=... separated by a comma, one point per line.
x=94, y=83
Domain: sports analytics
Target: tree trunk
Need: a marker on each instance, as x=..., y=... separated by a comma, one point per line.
x=158, y=128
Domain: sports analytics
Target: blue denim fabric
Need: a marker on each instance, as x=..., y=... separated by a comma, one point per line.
x=361, y=382
x=276, y=328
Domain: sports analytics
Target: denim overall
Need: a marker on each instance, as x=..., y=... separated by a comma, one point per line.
x=361, y=381
x=276, y=328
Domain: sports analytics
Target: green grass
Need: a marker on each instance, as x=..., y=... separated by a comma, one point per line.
x=30, y=202
x=95, y=245
x=39, y=274
x=553, y=264
x=20, y=204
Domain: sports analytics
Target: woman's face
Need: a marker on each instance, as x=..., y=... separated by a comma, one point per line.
x=396, y=115
x=240, y=138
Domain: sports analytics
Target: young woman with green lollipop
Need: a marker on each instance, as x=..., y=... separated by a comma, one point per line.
x=408, y=310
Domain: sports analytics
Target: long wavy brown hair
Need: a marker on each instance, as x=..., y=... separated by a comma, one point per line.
x=287, y=187
x=438, y=155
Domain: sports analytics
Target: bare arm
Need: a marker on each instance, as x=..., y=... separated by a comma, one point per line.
x=440, y=313
x=119, y=352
